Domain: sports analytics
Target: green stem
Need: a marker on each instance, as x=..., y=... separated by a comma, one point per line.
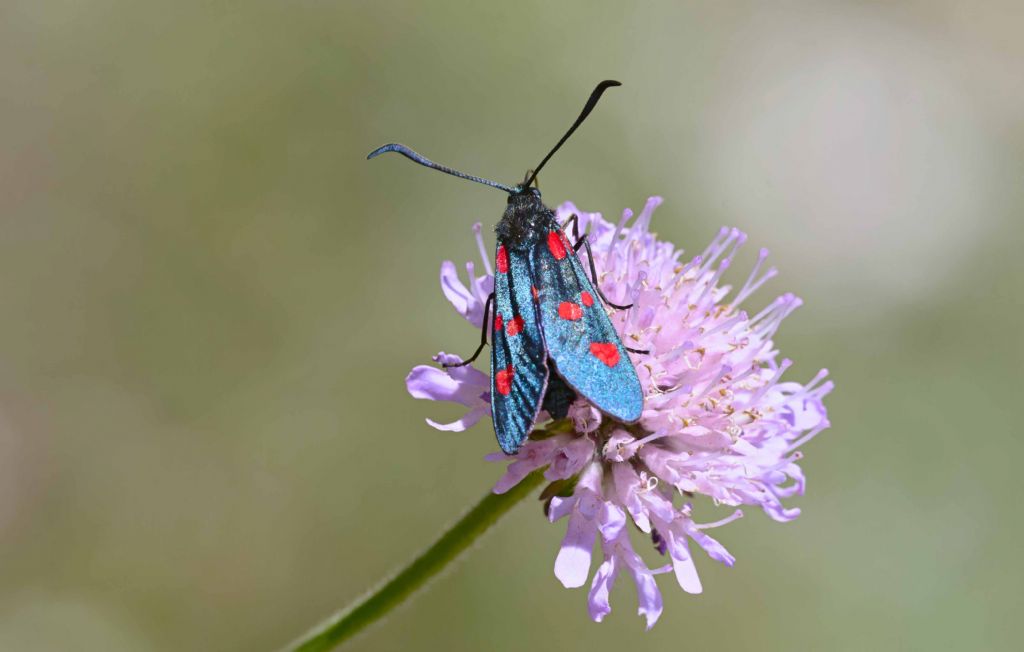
x=351, y=620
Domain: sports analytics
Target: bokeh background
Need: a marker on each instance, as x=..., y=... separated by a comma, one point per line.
x=210, y=300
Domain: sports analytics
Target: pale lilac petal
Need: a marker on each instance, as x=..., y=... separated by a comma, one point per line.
x=531, y=456
x=560, y=507
x=573, y=562
x=514, y=474
x=457, y=294
x=588, y=503
x=590, y=483
x=478, y=236
x=711, y=546
x=647, y=593
x=643, y=220
x=620, y=446
x=679, y=552
x=461, y=424
x=468, y=375
x=600, y=589
x=464, y=385
x=702, y=438
x=777, y=512
x=434, y=384
x=482, y=286
x=431, y=383
x=796, y=474
x=585, y=417
x=658, y=506
x=610, y=521
x=804, y=414
x=686, y=575
x=467, y=302
x=570, y=459
x=627, y=486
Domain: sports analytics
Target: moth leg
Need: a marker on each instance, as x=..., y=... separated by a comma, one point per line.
x=581, y=241
x=584, y=242
x=575, y=230
x=483, y=335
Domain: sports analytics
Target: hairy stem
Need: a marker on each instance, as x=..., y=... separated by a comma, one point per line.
x=369, y=608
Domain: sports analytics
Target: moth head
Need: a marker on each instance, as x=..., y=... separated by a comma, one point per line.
x=523, y=190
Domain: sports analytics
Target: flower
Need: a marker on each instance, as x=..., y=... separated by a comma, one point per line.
x=718, y=419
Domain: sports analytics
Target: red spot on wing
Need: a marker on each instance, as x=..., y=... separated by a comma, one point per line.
x=569, y=311
x=498, y=321
x=536, y=294
x=555, y=244
x=503, y=380
x=515, y=326
x=586, y=298
x=565, y=241
x=606, y=352
x=502, y=259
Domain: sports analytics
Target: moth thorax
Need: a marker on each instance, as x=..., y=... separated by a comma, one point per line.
x=523, y=219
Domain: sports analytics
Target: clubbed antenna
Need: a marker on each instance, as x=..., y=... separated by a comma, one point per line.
x=422, y=160
x=587, y=108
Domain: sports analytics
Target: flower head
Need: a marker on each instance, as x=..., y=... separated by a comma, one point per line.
x=718, y=419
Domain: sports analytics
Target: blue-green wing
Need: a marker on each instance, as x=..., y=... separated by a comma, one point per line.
x=519, y=371
x=577, y=332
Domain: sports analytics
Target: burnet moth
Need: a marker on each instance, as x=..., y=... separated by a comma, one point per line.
x=550, y=335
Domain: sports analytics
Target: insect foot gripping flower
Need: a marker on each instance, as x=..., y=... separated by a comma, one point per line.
x=718, y=419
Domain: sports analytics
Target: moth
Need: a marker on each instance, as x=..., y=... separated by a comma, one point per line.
x=551, y=338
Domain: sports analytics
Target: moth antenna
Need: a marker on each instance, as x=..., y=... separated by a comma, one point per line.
x=531, y=175
x=426, y=162
x=587, y=108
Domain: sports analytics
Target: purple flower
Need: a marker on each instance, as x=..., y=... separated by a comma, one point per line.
x=718, y=420
x=464, y=385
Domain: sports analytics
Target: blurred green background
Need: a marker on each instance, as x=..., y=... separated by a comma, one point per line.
x=210, y=302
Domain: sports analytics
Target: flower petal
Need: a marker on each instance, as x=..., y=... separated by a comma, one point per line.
x=647, y=593
x=627, y=484
x=686, y=575
x=597, y=601
x=457, y=294
x=475, y=380
x=610, y=521
x=466, y=421
x=560, y=507
x=573, y=562
x=469, y=304
x=434, y=384
x=711, y=546
x=532, y=455
x=682, y=561
x=514, y=474
x=585, y=417
x=569, y=459
x=704, y=438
